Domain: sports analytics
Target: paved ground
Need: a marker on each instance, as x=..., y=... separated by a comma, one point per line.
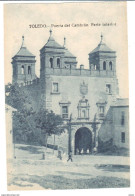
x=28, y=171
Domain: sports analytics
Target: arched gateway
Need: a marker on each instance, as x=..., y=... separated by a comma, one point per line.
x=83, y=141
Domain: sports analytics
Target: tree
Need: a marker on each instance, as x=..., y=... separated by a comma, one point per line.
x=19, y=98
x=28, y=121
x=23, y=124
x=49, y=123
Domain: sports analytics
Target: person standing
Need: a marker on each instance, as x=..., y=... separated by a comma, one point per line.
x=59, y=155
x=70, y=157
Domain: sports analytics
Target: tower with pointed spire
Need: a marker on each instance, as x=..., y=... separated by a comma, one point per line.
x=23, y=64
x=103, y=59
x=55, y=58
x=53, y=55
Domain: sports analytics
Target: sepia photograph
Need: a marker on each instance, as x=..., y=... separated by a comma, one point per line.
x=66, y=96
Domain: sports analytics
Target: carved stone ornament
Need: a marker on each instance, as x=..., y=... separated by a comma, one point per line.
x=84, y=88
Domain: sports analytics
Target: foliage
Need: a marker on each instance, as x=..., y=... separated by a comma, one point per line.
x=23, y=125
x=18, y=97
x=49, y=123
x=28, y=124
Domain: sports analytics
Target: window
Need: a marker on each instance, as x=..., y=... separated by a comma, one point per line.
x=123, y=137
x=64, y=111
x=55, y=88
x=83, y=109
x=101, y=104
x=29, y=69
x=122, y=118
x=83, y=113
x=110, y=65
x=58, y=62
x=51, y=62
x=101, y=109
x=104, y=65
x=108, y=88
x=22, y=69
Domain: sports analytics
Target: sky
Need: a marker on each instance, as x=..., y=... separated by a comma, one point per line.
x=80, y=41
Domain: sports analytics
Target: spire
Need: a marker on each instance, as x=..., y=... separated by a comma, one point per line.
x=50, y=32
x=23, y=45
x=101, y=41
x=101, y=38
x=50, y=38
x=64, y=45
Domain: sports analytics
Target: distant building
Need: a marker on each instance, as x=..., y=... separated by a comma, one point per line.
x=87, y=94
x=116, y=124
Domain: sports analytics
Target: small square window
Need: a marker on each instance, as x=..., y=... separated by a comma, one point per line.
x=55, y=88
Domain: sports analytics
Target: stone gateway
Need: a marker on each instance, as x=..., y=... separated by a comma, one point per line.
x=87, y=99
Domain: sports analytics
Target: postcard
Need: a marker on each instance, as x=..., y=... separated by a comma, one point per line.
x=66, y=92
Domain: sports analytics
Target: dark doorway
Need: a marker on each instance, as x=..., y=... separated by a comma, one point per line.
x=83, y=141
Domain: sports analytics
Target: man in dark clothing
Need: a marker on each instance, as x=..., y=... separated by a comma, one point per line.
x=59, y=155
x=70, y=157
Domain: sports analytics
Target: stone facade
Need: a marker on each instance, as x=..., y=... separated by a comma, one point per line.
x=85, y=94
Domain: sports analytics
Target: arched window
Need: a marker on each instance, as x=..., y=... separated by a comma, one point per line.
x=29, y=69
x=51, y=62
x=110, y=65
x=22, y=69
x=83, y=109
x=58, y=62
x=83, y=113
x=104, y=65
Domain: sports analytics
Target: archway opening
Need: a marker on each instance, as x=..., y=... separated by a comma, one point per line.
x=83, y=141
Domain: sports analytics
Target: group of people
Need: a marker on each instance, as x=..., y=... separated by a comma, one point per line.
x=82, y=151
x=69, y=156
x=86, y=151
x=77, y=152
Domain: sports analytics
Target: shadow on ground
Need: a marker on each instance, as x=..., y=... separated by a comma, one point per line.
x=59, y=182
x=114, y=168
x=30, y=149
x=73, y=173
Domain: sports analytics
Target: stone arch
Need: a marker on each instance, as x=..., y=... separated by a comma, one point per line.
x=29, y=69
x=110, y=65
x=83, y=141
x=58, y=62
x=51, y=62
x=22, y=69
